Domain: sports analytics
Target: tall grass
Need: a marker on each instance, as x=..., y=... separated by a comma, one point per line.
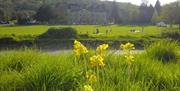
x=30, y=70
x=164, y=50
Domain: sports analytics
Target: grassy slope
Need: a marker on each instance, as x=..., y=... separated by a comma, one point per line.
x=117, y=31
x=33, y=70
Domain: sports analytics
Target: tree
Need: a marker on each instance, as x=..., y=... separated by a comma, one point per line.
x=145, y=2
x=1, y=15
x=171, y=13
x=115, y=13
x=143, y=14
x=61, y=13
x=178, y=12
x=155, y=17
x=24, y=17
x=45, y=13
x=150, y=12
x=158, y=7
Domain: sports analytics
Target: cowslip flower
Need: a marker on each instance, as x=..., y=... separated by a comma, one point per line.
x=79, y=48
x=130, y=59
x=91, y=78
x=101, y=49
x=87, y=88
x=97, y=60
x=127, y=46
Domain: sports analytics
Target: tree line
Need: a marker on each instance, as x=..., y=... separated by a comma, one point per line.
x=57, y=11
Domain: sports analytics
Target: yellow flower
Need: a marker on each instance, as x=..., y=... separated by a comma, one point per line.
x=127, y=46
x=87, y=88
x=130, y=58
x=79, y=48
x=101, y=49
x=91, y=77
x=97, y=60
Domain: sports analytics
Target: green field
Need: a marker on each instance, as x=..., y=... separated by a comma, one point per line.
x=117, y=31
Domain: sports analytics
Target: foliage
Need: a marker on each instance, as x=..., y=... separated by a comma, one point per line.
x=158, y=7
x=171, y=13
x=45, y=13
x=145, y=13
x=155, y=18
x=172, y=34
x=59, y=33
x=166, y=51
x=55, y=11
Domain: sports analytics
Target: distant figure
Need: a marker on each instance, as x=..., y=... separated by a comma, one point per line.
x=107, y=32
x=97, y=31
x=111, y=30
x=133, y=30
x=142, y=29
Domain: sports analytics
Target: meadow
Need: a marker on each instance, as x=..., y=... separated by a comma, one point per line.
x=31, y=32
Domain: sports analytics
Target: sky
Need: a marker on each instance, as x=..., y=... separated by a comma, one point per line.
x=138, y=2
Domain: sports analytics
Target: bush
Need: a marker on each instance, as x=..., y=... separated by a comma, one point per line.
x=12, y=43
x=60, y=33
x=171, y=34
x=165, y=51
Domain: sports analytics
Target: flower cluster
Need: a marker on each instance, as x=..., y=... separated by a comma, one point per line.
x=97, y=60
x=127, y=47
x=87, y=88
x=130, y=58
x=91, y=78
x=79, y=48
x=102, y=49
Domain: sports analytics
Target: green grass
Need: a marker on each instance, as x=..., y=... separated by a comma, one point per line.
x=164, y=50
x=32, y=70
x=117, y=31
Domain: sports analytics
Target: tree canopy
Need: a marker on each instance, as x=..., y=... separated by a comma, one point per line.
x=61, y=11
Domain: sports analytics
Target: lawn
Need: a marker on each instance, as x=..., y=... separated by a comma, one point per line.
x=117, y=31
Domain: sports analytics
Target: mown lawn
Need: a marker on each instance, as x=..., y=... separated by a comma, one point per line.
x=117, y=31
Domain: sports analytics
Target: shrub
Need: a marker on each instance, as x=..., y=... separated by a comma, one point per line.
x=7, y=40
x=12, y=43
x=171, y=34
x=60, y=33
x=165, y=51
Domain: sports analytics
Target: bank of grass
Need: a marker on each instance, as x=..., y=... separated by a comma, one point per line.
x=30, y=35
x=118, y=31
x=32, y=70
